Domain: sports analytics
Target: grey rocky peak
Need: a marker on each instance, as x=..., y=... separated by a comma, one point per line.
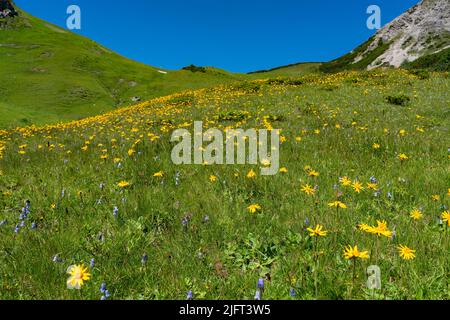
x=422, y=30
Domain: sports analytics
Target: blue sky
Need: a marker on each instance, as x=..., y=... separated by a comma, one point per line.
x=236, y=35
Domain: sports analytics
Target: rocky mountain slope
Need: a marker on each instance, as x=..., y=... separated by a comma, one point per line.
x=421, y=31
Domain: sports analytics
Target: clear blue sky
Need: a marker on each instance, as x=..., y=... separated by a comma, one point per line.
x=236, y=35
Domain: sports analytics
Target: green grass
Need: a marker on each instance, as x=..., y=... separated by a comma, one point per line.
x=339, y=118
x=293, y=70
x=436, y=62
x=48, y=74
x=346, y=62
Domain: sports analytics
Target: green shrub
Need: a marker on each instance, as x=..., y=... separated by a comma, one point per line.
x=194, y=68
x=281, y=82
x=400, y=100
x=421, y=74
x=248, y=87
x=233, y=116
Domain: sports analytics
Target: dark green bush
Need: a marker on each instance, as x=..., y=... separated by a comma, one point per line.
x=248, y=87
x=194, y=68
x=400, y=100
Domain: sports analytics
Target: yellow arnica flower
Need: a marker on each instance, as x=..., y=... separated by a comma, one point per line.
x=308, y=190
x=212, y=178
x=357, y=186
x=78, y=275
x=372, y=186
x=253, y=208
x=436, y=197
x=416, y=214
x=380, y=230
x=376, y=146
x=345, y=181
x=365, y=227
x=406, y=253
x=338, y=204
x=123, y=184
x=403, y=157
x=251, y=174
x=448, y=192
x=159, y=174
x=317, y=231
x=313, y=173
x=283, y=170
x=446, y=217
x=353, y=253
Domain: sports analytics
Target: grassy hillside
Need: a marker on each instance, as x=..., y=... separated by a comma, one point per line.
x=293, y=70
x=435, y=62
x=105, y=188
x=49, y=74
x=346, y=62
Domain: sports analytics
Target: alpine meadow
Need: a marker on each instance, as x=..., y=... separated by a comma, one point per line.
x=93, y=207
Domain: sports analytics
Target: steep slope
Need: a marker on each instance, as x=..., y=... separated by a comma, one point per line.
x=49, y=74
x=435, y=62
x=422, y=30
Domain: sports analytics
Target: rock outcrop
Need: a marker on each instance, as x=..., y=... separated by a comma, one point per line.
x=422, y=30
x=7, y=9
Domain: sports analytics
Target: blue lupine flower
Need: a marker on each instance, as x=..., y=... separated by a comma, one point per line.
x=63, y=193
x=373, y=179
x=115, y=211
x=92, y=263
x=185, y=222
x=3, y=222
x=258, y=295
x=22, y=224
x=292, y=292
x=306, y=221
x=17, y=229
x=190, y=295
x=25, y=211
x=105, y=292
x=34, y=225
x=56, y=258
x=389, y=195
x=144, y=258
x=260, y=283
